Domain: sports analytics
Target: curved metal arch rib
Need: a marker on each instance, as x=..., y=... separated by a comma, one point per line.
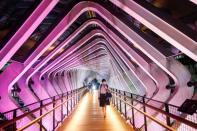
x=93, y=46
x=96, y=47
x=32, y=23
x=174, y=36
x=57, y=32
x=79, y=65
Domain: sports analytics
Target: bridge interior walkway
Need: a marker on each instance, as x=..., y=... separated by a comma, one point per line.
x=88, y=116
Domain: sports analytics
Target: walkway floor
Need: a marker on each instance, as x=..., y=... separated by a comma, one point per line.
x=89, y=117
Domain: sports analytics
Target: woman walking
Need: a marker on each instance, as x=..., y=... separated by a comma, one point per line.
x=102, y=96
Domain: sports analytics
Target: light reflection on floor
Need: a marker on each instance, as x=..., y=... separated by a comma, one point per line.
x=89, y=117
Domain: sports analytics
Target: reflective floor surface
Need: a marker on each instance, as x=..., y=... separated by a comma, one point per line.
x=88, y=116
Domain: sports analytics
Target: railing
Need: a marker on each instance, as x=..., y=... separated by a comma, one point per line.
x=143, y=115
x=56, y=108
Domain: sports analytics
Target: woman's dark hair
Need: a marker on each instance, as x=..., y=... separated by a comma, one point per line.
x=103, y=80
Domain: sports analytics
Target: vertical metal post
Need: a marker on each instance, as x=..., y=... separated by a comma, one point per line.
x=71, y=100
x=14, y=116
x=75, y=97
x=67, y=103
x=133, y=117
x=167, y=117
x=113, y=101
x=116, y=99
x=53, y=113
x=62, y=113
x=120, y=102
x=144, y=109
x=78, y=95
x=125, y=105
x=73, y=92
x=41, y=104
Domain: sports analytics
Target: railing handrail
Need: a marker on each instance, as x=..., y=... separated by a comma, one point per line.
x=149, y=116
x=189, y=123
x=149, y=98
x=43, y=115
x=65, y=93
x=9, y=122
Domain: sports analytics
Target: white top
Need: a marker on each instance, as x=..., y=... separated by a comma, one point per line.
x=103, y=88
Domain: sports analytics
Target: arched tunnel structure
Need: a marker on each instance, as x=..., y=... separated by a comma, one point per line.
x=51, y=51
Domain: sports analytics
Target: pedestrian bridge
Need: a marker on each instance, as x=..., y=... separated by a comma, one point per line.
x=88, y=116
x=54, y=54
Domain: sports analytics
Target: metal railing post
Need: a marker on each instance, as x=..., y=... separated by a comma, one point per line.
x=116, y=99
x=144, y=109
x=71, y=100
x=14, y=116
x=125, y=106
x=132, y=110
x=41, y=104
x=75, y=97
x=62, y=114
x=120, y=102
x=113, y=98
x=167, y=117
x=53, y=113
x=67, y=103
x=78, y=95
